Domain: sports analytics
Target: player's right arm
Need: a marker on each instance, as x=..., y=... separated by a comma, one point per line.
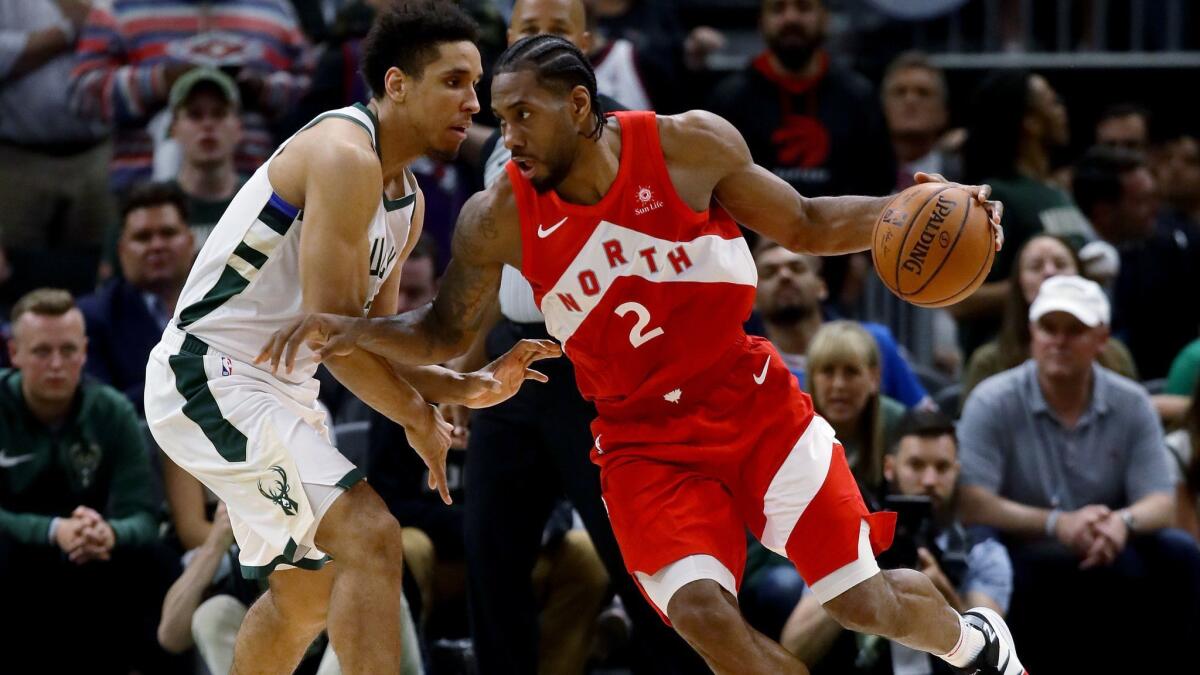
x=342, y=181
x=486, y=237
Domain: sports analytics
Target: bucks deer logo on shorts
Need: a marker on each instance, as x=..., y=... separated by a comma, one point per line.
x=279, y=494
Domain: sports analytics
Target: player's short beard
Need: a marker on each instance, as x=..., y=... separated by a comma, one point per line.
x=557, y=169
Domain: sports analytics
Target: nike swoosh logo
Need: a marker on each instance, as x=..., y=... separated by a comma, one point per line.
x=543, y=233
x=762, y=377
x=7, y=461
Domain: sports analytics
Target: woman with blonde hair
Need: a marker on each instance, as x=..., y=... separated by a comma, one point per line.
x=844, y=381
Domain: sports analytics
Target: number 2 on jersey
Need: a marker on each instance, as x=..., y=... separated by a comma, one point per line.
x=638, y=335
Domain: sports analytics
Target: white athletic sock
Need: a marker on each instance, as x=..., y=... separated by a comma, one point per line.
x=970, y=644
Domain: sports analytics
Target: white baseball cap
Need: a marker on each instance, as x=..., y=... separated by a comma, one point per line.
x=1079, y=297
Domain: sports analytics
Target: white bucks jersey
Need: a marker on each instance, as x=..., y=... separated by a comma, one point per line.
x=245, y=283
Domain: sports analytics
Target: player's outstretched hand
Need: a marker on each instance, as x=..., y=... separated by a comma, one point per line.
x=995, y=210
x=430, y=437
x=327, y=334
x=499, y=380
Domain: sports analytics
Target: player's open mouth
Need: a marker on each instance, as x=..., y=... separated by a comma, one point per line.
x=525, y=166
x=460, y=131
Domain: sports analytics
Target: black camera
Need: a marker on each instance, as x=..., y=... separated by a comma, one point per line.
x=916, y=528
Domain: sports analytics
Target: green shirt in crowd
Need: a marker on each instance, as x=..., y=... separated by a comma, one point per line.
x=1185, y=370
x=203, y=214
x=97, y=458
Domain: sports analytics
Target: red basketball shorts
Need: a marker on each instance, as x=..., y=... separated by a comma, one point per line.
x=738, y=448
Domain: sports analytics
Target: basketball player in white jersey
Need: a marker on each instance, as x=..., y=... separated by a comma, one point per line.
x=323, y=225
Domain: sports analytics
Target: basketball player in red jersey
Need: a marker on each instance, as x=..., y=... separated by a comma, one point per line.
x=620, y=225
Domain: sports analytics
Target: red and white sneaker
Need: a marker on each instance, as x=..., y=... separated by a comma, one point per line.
x=999, y=655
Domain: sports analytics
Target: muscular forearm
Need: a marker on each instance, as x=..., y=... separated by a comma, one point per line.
x=833, y=225
x=476, y=355
x=982, y=507
x=435, y=383
x=1154, y=512
x=182, y=599
x=418, y=337
x=373, y=381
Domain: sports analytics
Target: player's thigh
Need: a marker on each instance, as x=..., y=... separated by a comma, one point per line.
x=816, y=517
x=358, y=526
x=674, y=526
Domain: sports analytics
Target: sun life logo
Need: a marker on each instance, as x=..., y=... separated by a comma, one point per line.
x=645, y=197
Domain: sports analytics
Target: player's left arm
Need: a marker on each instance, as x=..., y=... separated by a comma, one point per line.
x=475, y=389
x=763, y=202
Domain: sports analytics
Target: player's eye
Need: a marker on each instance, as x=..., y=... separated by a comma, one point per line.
x=524, y=115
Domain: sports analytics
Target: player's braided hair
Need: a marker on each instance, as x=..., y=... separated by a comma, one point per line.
x=558, y=61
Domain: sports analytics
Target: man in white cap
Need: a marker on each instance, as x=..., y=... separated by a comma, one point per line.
x=1066, y=459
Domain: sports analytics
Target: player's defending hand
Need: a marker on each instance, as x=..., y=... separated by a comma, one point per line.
x=499, y=380
x=326, y=334
x=995, y=210
x=430, y=436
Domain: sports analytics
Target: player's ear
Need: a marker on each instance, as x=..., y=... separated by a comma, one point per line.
x=581, y=106
x=396, y=84
x=585, y=42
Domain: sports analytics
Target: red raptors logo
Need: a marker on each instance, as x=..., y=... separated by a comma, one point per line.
x=801, y=140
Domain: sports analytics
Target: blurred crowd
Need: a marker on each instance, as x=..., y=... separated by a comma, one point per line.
x=1038, y=439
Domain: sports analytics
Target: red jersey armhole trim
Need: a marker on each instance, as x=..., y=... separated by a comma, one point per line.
x=647, y=123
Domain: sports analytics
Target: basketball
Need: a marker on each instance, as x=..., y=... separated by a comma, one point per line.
x=933, y=244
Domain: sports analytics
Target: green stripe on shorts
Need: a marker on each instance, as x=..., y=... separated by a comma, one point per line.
x=285, y=558
x=201, y=408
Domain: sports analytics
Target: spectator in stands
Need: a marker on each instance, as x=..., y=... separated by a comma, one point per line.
x=1067, y=460
x=1015, y=123
x=1041, y=257
x=77, y=512
x=790, y=293
x=643, y=55
x=1185, y=370
x=844, y=368
x=970, y=571
x=127, y=315
x=844, y=378
x=1179, y=177
x=1157, y=257
x=53, y=163
x=812, y=122
x=1125, y=125
x=133, y=51
x=915, y=107
x=205, y=122
x=1184, y=444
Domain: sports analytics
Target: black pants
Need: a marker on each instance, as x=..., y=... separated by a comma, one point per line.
x=523, y=456
x=99, y=617
x=1139, y=615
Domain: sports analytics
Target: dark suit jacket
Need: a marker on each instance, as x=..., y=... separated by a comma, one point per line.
x=121, y=332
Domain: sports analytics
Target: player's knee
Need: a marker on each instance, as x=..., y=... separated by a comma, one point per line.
x=379, y=541
x=360, y=531
x=702, y=614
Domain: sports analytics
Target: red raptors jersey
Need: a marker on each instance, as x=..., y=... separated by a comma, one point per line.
x=643, y=292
